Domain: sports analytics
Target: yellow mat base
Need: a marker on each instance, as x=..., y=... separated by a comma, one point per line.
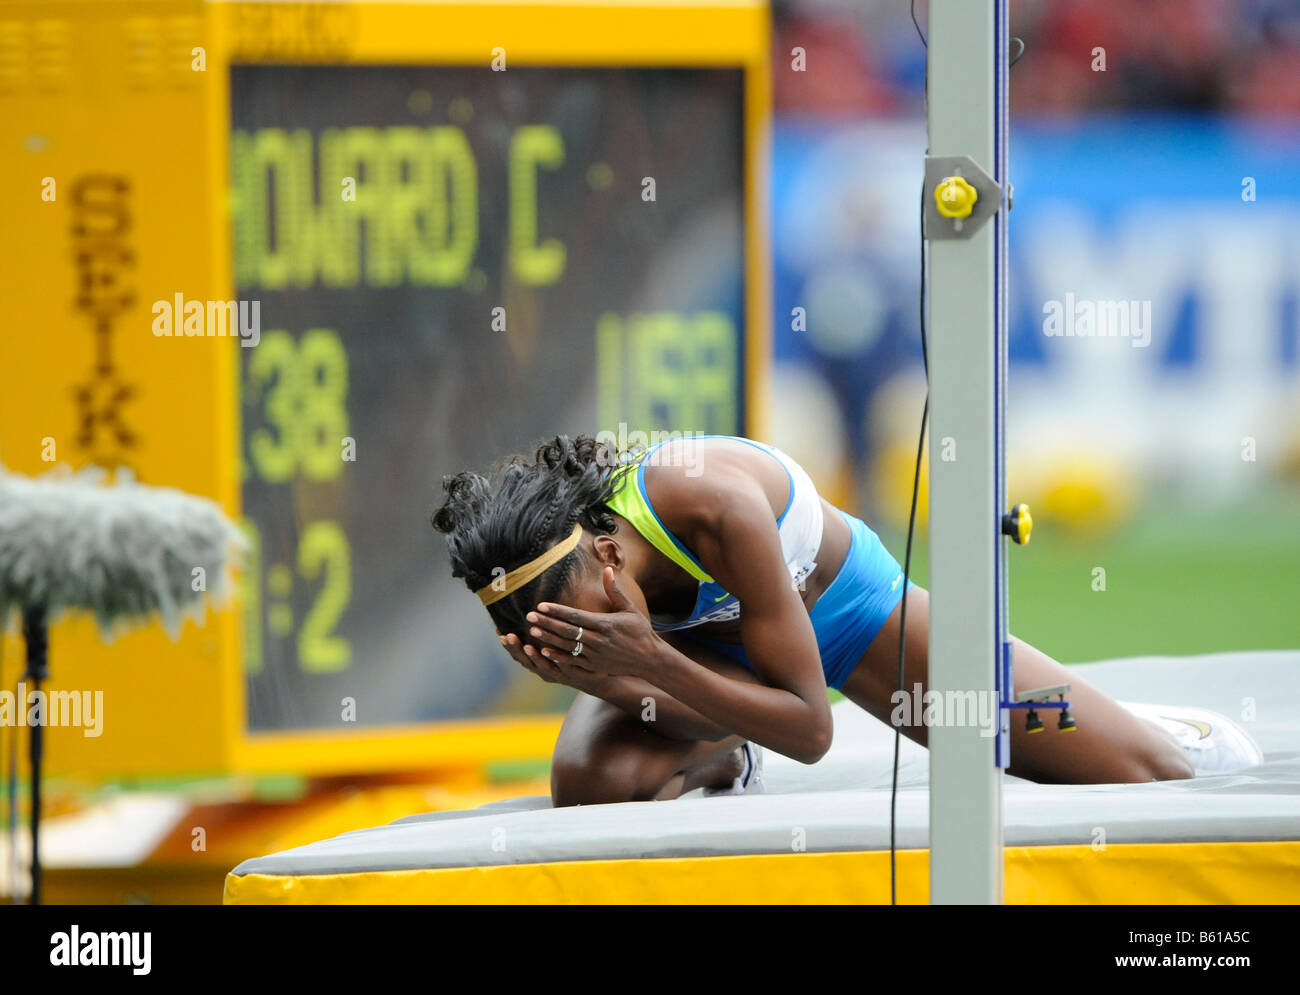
x=1121, y=874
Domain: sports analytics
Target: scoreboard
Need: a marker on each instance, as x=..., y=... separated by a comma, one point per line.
x=497, y=276
x=447, y=231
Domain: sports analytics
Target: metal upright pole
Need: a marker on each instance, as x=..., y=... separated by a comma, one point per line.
x=966, y=111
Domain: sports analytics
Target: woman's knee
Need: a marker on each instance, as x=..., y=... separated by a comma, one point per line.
x=600, y=775
x=598, y=757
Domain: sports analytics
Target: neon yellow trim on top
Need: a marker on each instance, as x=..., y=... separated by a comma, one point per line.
x=630, y=502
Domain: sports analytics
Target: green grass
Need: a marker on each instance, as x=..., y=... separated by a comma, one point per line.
x=499, y=771
x=1178, y=581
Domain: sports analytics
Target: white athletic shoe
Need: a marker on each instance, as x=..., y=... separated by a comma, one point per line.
x=1213, y=742
x=750, y=781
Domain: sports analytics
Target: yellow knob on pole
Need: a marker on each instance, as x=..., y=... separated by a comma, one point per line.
x=1018, y=523
x=955, y=198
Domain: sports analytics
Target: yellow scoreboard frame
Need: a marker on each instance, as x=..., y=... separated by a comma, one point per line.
x=116, y=124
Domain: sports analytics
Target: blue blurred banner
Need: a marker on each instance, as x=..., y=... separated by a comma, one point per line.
x=1155, y=264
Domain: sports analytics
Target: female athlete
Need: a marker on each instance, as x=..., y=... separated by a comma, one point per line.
x=701, y=597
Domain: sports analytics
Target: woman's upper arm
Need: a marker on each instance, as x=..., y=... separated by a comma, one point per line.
x=730, y=526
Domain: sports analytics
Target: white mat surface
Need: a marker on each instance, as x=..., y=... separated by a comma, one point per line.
x=842, y=803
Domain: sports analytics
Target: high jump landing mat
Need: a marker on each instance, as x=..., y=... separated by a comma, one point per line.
x=821, y=834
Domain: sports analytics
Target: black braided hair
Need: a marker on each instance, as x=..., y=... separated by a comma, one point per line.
x=524, y=509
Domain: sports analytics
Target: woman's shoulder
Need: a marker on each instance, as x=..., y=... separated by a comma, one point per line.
x=693, y=485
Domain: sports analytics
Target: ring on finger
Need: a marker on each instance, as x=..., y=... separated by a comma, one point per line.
x=577, y=650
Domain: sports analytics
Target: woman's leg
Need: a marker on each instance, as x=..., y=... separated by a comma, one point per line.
x=603, y=754
x=1110, y=745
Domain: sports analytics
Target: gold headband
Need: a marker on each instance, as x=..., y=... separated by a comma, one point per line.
x=520, y=576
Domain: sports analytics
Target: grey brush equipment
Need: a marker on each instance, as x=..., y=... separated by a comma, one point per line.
x=122, y=551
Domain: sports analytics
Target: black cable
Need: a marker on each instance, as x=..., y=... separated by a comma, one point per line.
x=902, y=639
x=911, y=527
x=907, y=575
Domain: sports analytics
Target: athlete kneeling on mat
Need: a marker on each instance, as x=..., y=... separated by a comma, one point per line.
x=718, y=583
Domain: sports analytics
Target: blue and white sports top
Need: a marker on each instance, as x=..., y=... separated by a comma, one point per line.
x=799, y=525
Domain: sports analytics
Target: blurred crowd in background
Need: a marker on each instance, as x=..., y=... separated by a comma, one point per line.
x=1216, y=55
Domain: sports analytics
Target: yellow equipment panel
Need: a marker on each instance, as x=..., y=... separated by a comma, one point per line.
x=307, y=258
